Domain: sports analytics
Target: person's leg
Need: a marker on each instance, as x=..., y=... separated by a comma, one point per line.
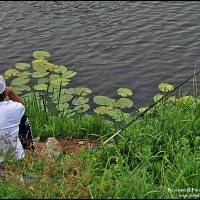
x=25, y=134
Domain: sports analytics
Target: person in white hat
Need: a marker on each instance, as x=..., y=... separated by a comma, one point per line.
x=12, y=119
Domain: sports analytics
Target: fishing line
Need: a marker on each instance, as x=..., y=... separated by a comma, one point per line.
x=151, y=106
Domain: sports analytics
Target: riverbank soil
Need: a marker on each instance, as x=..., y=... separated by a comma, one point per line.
x=70, y=145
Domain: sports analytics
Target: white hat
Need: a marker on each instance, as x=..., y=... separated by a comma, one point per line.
x=2, y=85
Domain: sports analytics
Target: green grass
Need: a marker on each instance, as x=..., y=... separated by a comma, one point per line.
x=157, y=157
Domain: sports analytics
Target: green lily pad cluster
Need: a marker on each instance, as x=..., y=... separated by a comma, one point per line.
x=114, y=107
x=51, y=81
x=46, y=77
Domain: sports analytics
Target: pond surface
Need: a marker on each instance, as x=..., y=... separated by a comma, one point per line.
x=133, y=44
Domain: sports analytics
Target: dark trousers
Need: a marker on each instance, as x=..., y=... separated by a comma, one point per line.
x=25, y=134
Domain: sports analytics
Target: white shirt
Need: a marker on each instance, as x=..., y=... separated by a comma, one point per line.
x=10, y=116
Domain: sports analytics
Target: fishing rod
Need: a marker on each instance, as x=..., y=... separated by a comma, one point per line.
x=150, y=107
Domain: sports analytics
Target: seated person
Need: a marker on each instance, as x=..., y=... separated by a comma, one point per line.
x=15, y=131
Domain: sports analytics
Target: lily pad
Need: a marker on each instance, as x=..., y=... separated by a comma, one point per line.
x=82, y=108
x=62, y=106
x=67, y=113
x=20, y=81
x=101, y=110
x=124, y=103
x=114, y=112
x=41, y=87
x=22, y=66
x=43, y=80
x=41, y=55
x=165, y=87
x=158, y=97
x=67, y=91
x=120, y=116
x=60, y=69
x=103, y=100
x=21, y=88
x=83, y=91
x=59, y=81
x=39, y=74
x=25, y=73
x=43, y=65
x=69, y=74
x=63, y=98
x=80, y=101
x=124, y=92
x=54, y=76
x=11, y=72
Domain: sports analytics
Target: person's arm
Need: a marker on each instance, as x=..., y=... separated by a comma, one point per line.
x=13, y=96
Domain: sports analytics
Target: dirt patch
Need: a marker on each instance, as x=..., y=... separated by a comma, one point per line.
x=70, y=145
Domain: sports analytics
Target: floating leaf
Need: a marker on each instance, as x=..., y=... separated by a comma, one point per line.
x=60, y=69
x=21, y=88
x=80, y=101
x=120, y=116
x=165, y=87
x=124, y=103
x=43, y=80
x=57, y=82
x=101, y=110
x=26, y=73
x=41, y=55
x=11, y=72
x=124, y=92
x=158, y=97
x=67, y=91
x=39, y=74
x=83, y=91
x=62, y=91
x=114, y=112
x=63, y=98
x=82, y=108
x=69, y=74
x=103, y=100
x=67, y=113
x=22, y=66
x=43, y=65
x=62, y=106
x=20, y=81
x=54, y=76
x=40, y=87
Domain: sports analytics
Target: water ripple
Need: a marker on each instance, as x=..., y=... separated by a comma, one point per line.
x=110, y=44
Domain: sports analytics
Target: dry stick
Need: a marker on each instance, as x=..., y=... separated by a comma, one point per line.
x=118, y=132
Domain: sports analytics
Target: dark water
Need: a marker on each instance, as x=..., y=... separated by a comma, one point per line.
x=111, y=44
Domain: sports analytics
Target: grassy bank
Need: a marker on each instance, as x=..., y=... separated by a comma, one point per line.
x=156, y=157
